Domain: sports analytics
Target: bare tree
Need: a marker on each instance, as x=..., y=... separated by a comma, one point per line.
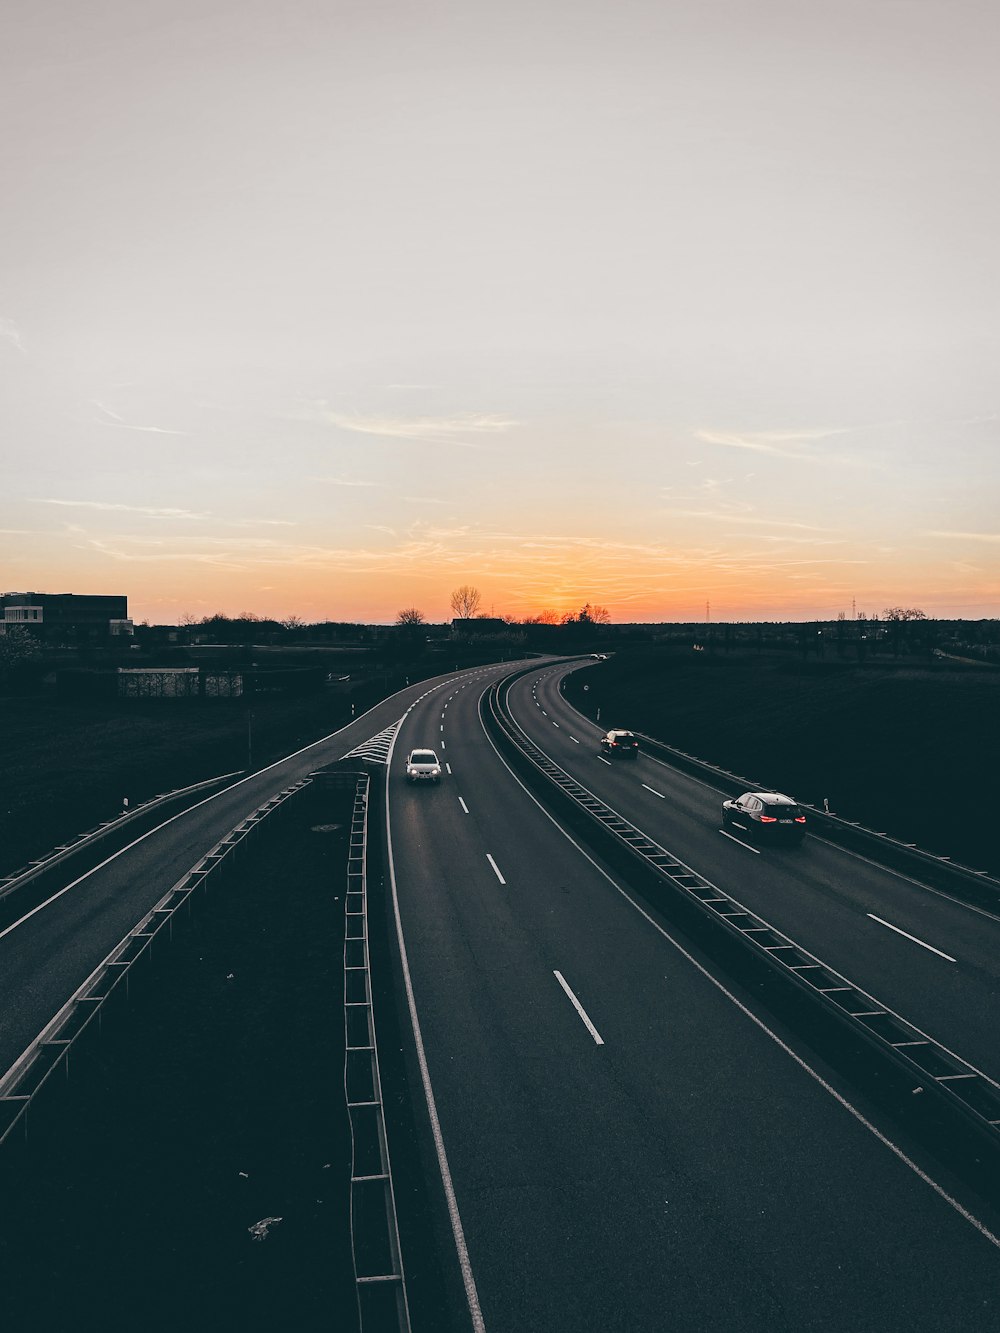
x=600, y=615
x=292, y=622
x=466, y=601
x=410, y=616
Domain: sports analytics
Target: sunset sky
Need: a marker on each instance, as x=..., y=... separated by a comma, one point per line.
x=324, y=308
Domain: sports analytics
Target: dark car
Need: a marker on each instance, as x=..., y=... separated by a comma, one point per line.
x=620, y=745
x=765, y=814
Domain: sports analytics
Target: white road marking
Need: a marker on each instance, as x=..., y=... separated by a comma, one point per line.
x=463, y=805
x=654, y=791
x=448, y=767
x=457, y=1231
x=579, y=1009
x=604, y=761
x=555, y=723
x=762, y=1026
x=496, y=868
x=912, y=937
x=739, y=841
x=544, y=714
x=574, y=740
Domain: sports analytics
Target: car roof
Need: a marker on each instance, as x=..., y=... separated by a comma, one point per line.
x=423, y=750
x=619, y=731
x=773, y=798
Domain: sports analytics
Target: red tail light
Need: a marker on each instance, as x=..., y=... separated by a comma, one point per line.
x=769, y=819
x=800, y=819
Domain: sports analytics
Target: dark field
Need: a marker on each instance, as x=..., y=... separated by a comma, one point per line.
x=213, y=1099
x=67, y=765
x=908, y=749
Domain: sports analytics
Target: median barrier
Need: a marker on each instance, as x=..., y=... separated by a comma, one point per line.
x=760, y=954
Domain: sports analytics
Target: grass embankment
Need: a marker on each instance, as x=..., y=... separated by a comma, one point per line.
x=908, y=749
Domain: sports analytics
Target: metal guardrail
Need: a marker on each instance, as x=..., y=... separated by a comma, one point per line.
x=35, y=1070
x=962, y=1087
x=19, y=879
x=378, y=1268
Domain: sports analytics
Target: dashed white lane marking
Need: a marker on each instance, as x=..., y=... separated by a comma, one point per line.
x=579, y=1009
x=496, y=868
x=555, y=723
x=544, y=714
x=604, y=761
x=448, y=767
x=654, y=791
x=922, y=944
x=463, y=805
x=739, y=841
x=574, y=740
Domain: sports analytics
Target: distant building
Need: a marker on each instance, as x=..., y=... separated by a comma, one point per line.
x=66, y=617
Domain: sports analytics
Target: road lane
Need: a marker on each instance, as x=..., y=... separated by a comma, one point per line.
x=45, y=959
x=819, y=895
x=692, y=1170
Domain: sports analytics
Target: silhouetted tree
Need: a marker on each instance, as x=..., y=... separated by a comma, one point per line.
x=466, y=601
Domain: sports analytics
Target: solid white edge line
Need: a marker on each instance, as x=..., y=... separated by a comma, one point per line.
x=759, y=1023
x=496, y=868
x=654, y=791
x=579, y=1009
x=906, y=935
x=457, y=1231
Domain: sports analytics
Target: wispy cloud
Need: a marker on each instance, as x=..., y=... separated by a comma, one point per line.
x=779, y=443
x=150, y=511
x=431, y=430
x=113, y=419
x=737, y=516
x=968, y=536
x=346, y=481
x=424, y=500
x=11, y=333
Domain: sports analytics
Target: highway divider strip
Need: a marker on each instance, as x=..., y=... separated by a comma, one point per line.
x=936, y=1069
x=81, y=1017
x=378, y=1267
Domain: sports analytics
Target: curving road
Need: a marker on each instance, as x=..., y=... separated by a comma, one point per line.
x=625, y=1142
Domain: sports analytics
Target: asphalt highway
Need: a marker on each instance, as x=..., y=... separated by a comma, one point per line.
x=929, y=957
x=626, y=1143
x=47, y=955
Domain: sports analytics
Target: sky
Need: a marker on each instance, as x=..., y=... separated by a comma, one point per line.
x=327, y=307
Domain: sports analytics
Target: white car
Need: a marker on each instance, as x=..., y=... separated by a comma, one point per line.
x=423, y=766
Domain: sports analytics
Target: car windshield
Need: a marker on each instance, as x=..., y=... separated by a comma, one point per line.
x=423, y=757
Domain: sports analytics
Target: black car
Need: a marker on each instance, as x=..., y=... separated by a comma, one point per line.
x=765, y=814
x=620, y=745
